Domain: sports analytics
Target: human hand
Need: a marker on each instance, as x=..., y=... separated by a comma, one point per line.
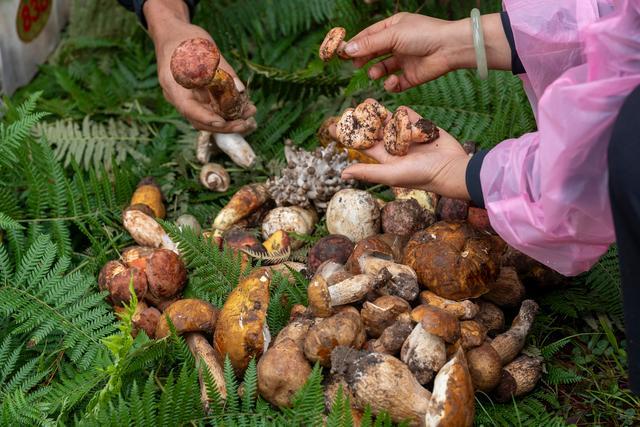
x=439, y=166
x=422, y=48
x=193, y=104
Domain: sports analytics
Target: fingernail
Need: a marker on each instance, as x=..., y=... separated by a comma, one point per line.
x=351, y=48
x=217, y=123
x=239, y=85
x=346, y=176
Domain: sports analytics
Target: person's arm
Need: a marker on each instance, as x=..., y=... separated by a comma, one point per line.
x=169, y=23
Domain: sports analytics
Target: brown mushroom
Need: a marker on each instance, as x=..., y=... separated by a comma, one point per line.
x=440, y=323
x=382, y=382
x=206, y=356
x=361, y=127
x=239, y=239
x=241, y=332
x=472, y=334
x=452, y=209
x=376, y=243
x=424, y=354
x=452, y=260
x=452, y=402
x=323, y=296
x=145, y=230
x=108, y=271
x=485, y=367
x=491, y=316
x=244, y=202
x=478, y=218
x=427, y=200
x=396, y=243
x=119, y=285
x=509, y=343
x=166, y=274
x=463, y=310
x=381, y=313
x=344, y=328
x=292, y=219
x=403, y=217
x=393, y=337
x=402, y=282
x=146, y=319
x=137, y=256
x=214, y=177
x=333, y=44
x=518, y=377
x=282, y=371
x=333, y=247
x=148, y=193
x=507, y=290
x=400, y=133
x=278, y=242
x=188, y=315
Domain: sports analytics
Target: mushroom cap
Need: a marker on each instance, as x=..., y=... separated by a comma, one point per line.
x=146, y=319
x=150, y=195
x=319, y=297
x=188, y=221
x=491, y=316
x=188, y=315
x=108, y=271
x=381, y=313
x=403, y=217
x=137, y=256
x=344, y=328
x=397, y=133
x=334, y=247
x=449, y=209
x=166, y=274
x=119, y=285
x=485, y=367
x=239, y=238
x=292, y=219
x=215, y=177
x=331, y=43
x=194, y=62
x=353, y=213
x=374, y=243
x=472, y=334
x=438, y=322
x=452, y=402
x=452, y=260
x=361, y=127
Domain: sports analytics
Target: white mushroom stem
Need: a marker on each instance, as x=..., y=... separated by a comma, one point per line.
x=236, y=147
x=203, y=352
x=204, y=147
x=424, y=354
x=403, y=281
x=146, y=231
x=351, y=290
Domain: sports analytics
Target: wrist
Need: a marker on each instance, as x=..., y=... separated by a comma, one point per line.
x=162, y=15
x=455, y=178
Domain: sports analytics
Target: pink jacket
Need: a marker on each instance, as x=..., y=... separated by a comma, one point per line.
x=546, y=192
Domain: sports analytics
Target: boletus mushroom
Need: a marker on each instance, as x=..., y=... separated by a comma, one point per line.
x=382, y=382
x=344, y=328
x=205, y=356
x=188, y=315
x=241, y=331
x=333, y=247
x=518, y=377
x=508, y=344
x=244, y=202
x=148, y=193
x=507, y=290
x=333, y=44
x=381, y=313
x=403, y=217
x=491, y=316
x=376, y=243
x=485, y=367
x=116, y=278
x=145, y=319
x=145, y=230
x=400, y=132
x=361, y=127
x=452, y=260
x=463, y=310
x=452, y=209
x=354, y=214
x=393, y=337
x=292, y=219
x=166, y=274
x=402, y=282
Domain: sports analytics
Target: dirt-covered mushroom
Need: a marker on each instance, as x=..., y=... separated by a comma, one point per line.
x=145, y=230
x=282, y=371
x=188, y=315
x=292, y=219
x=396, y=243
x=452, y=402
x=478, y=218
x=333, y=44
x=119, y=280
x=507, y=290
x=424, y=353
x=472, y=334
x=382, y=382
x=376, y=243
x=400, y=132
x=403, y=217
x=453, y=260
x=518, y=377
x=427, y=200
x=344, y=328
x=331, y=389
x=239, y=238
x=296, y=330
x=166, y=274
x=491, y=316
x=241, y=332
x=381, y=313
x=278, y=242
x=244, y=202
x=361, y=127
x=215, y=177
x=402, y=282
x=508, y=344
x=333, y=247
x=463, y=310
x=148, y=193
x=354, y=214
x=108, y=271
x=452, y=209
x=485, y=367
x=146, y=318
x=392, y=338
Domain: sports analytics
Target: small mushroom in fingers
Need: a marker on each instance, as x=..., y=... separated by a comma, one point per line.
x=400, y=133
x=214, y=177
x=361, y=127
x=333, y=44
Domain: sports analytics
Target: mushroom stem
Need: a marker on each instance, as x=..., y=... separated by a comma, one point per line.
x=424, y=354
x=205, y=147
x=237, y=148
x=463, y=310
x=485, y=367
x=383, y=382
x=519, y=377
x=491, y=316
x=203, y=351
x=392, y=338
x=509, y=343
x=244, y=202
x=323, y=297
x=400, y=132
x=507, y=290
x=403, y=281
x=146, y=231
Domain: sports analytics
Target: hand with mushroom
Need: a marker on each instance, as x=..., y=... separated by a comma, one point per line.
x=168, y=23
x=438, y=166
x=424, y=48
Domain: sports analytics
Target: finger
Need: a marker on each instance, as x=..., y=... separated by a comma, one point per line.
x=249, y=111
x=235, y=126
x=376, y=44
x=374, y=28
x=194, y=111
x=397, y=83
x=379, y=174
x=384, y=68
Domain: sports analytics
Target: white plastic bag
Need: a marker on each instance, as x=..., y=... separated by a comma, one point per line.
x=29, y=31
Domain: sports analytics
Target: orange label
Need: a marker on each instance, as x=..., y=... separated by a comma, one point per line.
x=32, y=17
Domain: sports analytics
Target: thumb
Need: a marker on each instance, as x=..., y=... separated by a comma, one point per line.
x=375, y=44
x=378, y=174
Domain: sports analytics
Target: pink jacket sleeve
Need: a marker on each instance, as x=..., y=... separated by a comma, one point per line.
x=546, y=192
